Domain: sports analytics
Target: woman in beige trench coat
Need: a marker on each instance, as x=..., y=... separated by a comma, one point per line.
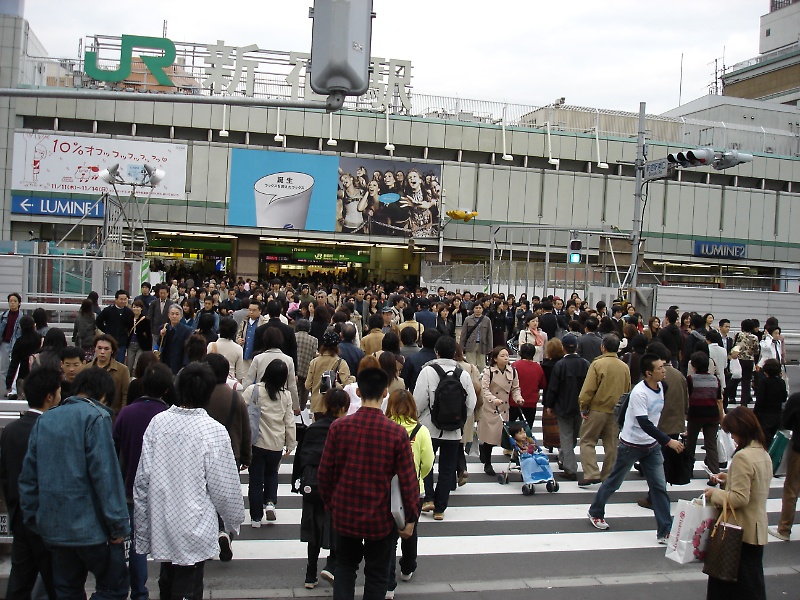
x=500, y=386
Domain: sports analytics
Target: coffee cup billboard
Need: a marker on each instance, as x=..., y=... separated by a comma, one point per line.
x=282, y=200
x=282, y=190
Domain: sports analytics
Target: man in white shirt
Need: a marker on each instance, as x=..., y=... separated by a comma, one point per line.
x=640, y=440
x=187, y=474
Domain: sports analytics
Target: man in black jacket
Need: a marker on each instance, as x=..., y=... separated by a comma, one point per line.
x=174, y=334
x=670, y=335
x=289, y=347
x=415, y=362
x=117, y=321
x=29, y=556
x=548, y=322
x=561, y=398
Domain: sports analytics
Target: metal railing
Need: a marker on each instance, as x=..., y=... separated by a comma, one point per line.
x=281, y=75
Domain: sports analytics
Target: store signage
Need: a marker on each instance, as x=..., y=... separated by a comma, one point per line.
x=57, y=207
x=226, y=68
x=59, y=164
x=719, y=249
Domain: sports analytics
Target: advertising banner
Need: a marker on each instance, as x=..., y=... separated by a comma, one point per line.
x=312, y=192
x=70, y=164
x=282, y=190
x=388, y=197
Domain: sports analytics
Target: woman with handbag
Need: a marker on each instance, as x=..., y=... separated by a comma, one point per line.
x=276, y=438
x=533, y=335
x=746, y=489
x=315, y=523
x=500, y=385
x=328, y=360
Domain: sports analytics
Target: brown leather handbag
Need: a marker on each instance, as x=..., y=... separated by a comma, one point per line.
x=724, y=548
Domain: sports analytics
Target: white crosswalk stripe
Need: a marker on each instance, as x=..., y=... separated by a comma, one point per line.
x=545, y=522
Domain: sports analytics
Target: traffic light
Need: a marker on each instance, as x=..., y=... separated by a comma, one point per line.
x=575, y=247
x=341, y=41
x=700, y=157
x=708, y=157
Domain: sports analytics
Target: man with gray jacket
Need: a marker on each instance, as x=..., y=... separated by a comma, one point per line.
x=476, y=337
x=445, y=442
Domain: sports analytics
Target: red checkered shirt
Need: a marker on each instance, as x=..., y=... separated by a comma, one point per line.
x=362, y=454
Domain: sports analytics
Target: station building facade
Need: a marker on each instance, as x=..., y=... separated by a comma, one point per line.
x=556, y=166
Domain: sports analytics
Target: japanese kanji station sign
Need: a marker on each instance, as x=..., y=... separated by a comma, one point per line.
x=242, y=70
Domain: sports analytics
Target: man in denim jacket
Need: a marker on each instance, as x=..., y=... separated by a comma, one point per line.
x=72, y=493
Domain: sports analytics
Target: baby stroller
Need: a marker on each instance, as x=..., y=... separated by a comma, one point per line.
x=533, y=468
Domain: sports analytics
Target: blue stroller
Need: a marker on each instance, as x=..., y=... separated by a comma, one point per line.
x=533, y=468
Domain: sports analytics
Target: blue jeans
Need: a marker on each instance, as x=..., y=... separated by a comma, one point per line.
x=376, y=555
x=121, y=354
x=72, y=564
x=652, y=462
x=263, y=480
x=138, y=568
x=448, y=459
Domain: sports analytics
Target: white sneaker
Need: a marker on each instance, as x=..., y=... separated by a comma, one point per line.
x=389, y=595
x=773, y=531
x=663, y=540
x=256, y=524
x=597, y=523
x=405, y=577
x=269, y=510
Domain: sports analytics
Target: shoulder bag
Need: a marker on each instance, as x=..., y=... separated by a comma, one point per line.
x=254, y=414
x=724, y=548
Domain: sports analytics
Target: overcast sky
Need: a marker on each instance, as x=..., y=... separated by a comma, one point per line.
x=610, y=54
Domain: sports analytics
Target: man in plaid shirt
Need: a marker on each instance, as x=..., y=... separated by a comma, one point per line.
x=362, y=454
x=307, y=346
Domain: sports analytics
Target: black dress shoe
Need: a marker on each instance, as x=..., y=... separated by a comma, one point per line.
x=588, y=482
x=569, y=476
x=489, y=470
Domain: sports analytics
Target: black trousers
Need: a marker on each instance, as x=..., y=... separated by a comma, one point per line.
x=29, y=558
x=747, y=378
x=176, y=582
x=750, y=585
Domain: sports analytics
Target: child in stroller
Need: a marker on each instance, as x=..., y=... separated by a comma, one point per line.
x=527, y=458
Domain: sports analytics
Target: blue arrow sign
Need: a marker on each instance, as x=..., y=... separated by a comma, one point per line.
x=57, y=207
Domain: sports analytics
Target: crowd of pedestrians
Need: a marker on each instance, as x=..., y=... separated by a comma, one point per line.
x=163, y=399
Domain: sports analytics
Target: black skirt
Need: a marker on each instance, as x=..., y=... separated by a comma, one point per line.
x=750, y=585
x=315, y=524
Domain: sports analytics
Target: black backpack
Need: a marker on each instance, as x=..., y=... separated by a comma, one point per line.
x=449, y=410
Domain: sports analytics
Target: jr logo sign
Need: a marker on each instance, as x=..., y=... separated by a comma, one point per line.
x=155, y=64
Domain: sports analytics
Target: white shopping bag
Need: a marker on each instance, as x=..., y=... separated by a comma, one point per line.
x=725, y=446
x=690, y=530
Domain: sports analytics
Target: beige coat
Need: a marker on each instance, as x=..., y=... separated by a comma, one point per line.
x=747, y=489
x=322, y=363
x=469, y=426
x=498, y=386
x=372, y=342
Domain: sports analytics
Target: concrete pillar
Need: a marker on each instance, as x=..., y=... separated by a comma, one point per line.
x=12, y=36
x=245, y=262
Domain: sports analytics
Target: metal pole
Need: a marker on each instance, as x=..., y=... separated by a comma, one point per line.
x=636, y=234
x=491, y=264
x=528, y=265
x=567, y=270
x=546, y=264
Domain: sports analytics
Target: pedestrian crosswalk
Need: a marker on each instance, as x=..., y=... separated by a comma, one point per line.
x=493, y=519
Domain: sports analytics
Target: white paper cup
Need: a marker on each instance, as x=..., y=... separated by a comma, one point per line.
x=282, y=200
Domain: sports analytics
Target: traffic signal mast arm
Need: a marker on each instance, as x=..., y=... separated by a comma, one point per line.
x=708, y=157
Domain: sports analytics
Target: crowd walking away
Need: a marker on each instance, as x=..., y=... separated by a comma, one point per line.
x=158, y=403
